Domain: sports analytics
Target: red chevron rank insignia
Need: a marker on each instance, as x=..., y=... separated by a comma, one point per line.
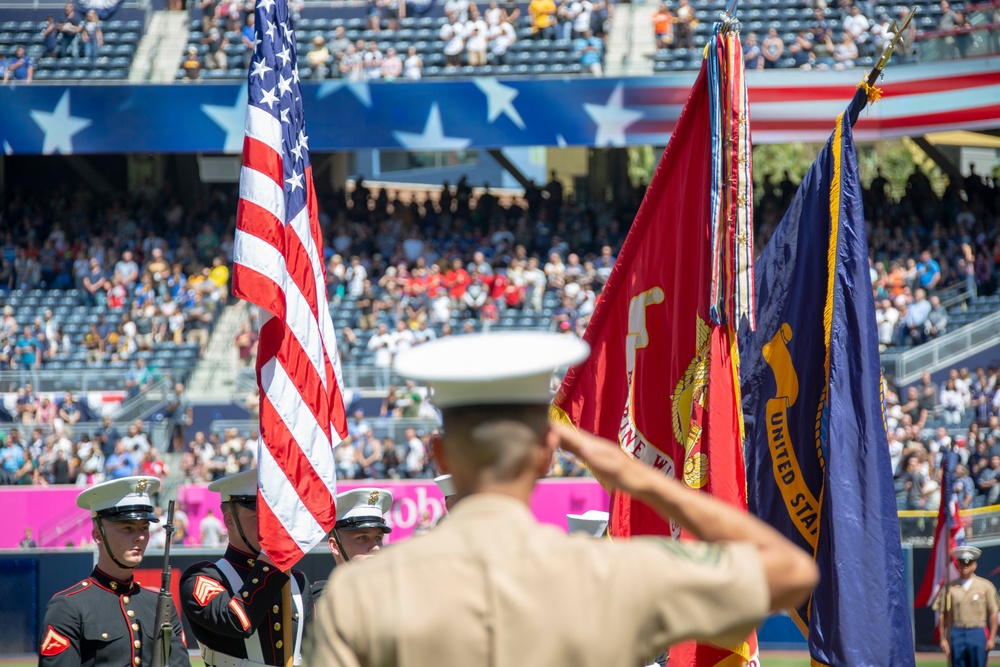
x=205, y=589
x=54, y=643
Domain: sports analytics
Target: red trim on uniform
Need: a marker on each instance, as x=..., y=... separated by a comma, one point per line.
x=128, y=626
x=206, y=588
x=237, y=608
x=79, y=583
x=54, y=643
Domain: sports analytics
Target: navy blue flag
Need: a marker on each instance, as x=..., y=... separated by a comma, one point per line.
x=817, y=456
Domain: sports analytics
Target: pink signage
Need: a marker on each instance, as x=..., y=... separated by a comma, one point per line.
x=55, y=519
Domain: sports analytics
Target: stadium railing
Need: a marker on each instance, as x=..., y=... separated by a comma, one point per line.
x=59, y=381
x=383, y=427
x=906, y=367
x=917, y=526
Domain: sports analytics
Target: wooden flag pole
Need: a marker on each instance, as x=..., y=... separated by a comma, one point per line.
x=286, y=621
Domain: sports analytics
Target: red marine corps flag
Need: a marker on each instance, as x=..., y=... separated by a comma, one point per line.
x=278, y=257
x=663, y=378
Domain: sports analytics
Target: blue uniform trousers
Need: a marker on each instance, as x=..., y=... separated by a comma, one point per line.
x=968, y=647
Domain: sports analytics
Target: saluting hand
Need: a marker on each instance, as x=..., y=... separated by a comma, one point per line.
x=605, y=458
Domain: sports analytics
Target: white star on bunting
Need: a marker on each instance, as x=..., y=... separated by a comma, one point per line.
x=432, y=138
x=612, y=118
x=59, y=126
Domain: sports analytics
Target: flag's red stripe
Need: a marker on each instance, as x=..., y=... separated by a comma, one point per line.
x=677, y=95
x=259, y=290
x=280, y=442
x=260, y=222
x=281, y=345
x=822, y=125
x=260, y=157
x=257, y=221
x=280, y=546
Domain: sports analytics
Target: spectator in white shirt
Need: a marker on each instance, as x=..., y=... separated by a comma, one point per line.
x=502, y=36
x=402, y=337
x=476, y=35
x=857, y=25
x=457, y=9
x=886, y=318
x=581, y=10
x=453, y=36
x=372, y=60
x=441, y=307
x=494, y=15
x=212, y=531
x=383, y=345
x=413, y=66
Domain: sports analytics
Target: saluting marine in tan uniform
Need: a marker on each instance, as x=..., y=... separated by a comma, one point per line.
x=492, y=586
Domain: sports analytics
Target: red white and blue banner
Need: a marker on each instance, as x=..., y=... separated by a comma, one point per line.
x=455, y=114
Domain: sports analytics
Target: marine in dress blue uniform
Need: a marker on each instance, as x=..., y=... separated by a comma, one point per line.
x=969, y=606
x=107, y=618
x=234, y=605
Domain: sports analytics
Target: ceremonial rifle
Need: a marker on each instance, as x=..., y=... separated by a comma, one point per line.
x=164, y=629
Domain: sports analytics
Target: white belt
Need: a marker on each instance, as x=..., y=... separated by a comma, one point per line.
x=216, y=659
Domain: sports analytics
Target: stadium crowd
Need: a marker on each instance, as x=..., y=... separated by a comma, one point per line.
x=457, y=261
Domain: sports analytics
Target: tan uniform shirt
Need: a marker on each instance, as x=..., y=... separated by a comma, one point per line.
x=491, y=586
x=970, y=608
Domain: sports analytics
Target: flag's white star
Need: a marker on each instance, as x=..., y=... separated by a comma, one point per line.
x=231, y=119
x=269, y=30
x=269, y=98
x=260, y=68
x=303, y=139
x=295, y=181
x=266, y=5
x=297, y=151
x=284, y=85
x=285, y=55
x=359, y=89
x=285, y=115
x=59, y=126
x=256, y=41
x=432, y=138
x=499, y=100
x=295, y=74
x=612, y=118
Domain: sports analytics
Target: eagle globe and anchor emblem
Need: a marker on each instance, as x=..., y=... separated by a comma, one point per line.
x=688, y=393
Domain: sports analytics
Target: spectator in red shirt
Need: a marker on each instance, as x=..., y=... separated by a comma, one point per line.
x=457, y=280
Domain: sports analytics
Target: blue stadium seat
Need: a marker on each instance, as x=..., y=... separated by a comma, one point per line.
x=134, y=25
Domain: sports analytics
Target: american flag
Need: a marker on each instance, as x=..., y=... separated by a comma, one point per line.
x=278, y=259
x=948, y=534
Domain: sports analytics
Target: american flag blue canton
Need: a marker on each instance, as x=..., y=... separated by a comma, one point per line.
x=273, y=87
